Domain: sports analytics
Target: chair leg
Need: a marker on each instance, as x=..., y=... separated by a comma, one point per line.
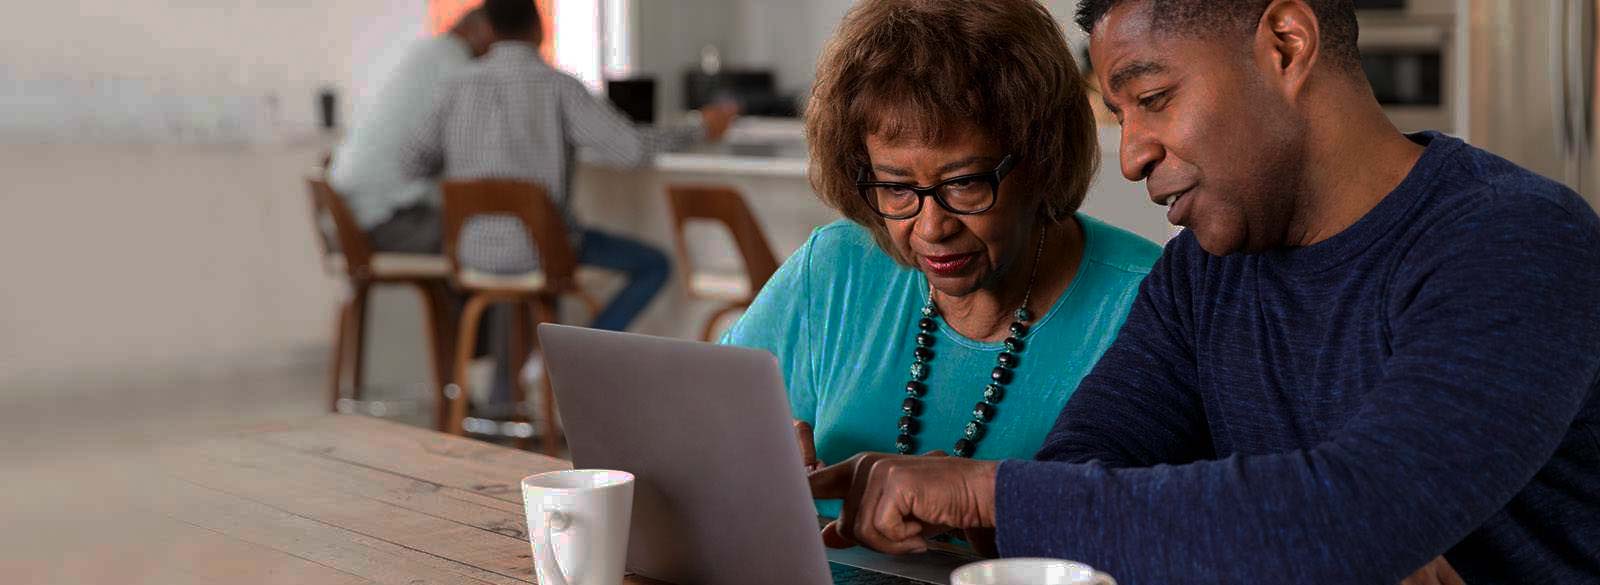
x=358, y=324
x=589, y=302
x=449, y=320
x=341, y=326
x=711, y=323
x=449, y=317
x=546, y=308
x=437, y=344
x=471, y=315
x=521, y=346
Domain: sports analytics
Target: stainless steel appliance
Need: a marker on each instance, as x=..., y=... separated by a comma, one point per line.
x=1410, y=54
x=1529, y=68
x=1516, y=77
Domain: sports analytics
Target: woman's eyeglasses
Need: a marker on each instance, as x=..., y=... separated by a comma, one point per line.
x=964, y=195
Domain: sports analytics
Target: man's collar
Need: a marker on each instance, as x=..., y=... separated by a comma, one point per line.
x=513, y=48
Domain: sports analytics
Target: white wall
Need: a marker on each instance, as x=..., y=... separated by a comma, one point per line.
x=127, y=254
x=792, y=36
x=186, y=71
x=671, y=34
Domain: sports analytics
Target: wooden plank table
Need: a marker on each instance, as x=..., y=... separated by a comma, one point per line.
x=334, y=500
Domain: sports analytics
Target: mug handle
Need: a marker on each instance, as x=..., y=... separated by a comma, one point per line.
x=554, y=521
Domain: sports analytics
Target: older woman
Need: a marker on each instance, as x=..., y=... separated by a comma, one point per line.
x=963, y=298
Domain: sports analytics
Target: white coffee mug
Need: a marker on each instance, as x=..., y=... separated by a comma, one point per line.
x=1024, y=571
x=578, y=525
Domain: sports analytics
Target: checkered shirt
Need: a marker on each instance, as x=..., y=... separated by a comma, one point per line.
x=512, y=116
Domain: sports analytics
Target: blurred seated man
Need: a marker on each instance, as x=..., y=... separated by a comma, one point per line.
x=513, y=116
x=401, y=212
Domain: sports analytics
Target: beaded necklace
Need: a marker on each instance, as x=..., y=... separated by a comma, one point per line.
x=983, y=413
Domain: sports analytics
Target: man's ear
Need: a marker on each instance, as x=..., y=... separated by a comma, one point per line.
x=1288, y=44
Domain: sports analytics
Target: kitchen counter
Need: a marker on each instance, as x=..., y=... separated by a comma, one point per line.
x=761, y=147
x=762, y=159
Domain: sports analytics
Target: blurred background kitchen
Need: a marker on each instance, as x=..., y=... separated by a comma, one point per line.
x=162, y=268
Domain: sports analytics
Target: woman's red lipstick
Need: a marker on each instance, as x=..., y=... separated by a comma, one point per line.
x=949, y=264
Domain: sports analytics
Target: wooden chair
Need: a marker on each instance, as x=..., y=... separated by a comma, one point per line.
x=347, y=251
x=534, y=295
x=725, y=206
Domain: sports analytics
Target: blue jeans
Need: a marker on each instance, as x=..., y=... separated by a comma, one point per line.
x=647, y=268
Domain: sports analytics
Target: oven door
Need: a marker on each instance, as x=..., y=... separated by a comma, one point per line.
x=1409, y=65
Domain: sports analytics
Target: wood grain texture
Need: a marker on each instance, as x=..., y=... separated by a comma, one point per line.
x=335, y=500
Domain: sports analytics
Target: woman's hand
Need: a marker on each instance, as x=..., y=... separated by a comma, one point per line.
x=1438, y=572
x=808, y=446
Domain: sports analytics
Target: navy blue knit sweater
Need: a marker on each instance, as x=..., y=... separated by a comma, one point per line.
x=1423, y=382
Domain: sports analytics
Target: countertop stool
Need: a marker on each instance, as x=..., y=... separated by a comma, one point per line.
x=534, y=296
x=723, y=205
x=347, y=251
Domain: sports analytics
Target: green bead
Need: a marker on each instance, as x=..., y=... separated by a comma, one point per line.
x=905, y=444
x=908, y=425
x=929, y=310
x=919, y=371
x=993, y=393
x=964, y=448
x=974, y=431
x=983, y=412
x=1023, y=314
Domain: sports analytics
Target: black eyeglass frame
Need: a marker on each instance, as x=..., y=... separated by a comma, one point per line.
x=993, y=178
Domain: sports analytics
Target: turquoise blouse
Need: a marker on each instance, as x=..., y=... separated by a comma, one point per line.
x=841, y=317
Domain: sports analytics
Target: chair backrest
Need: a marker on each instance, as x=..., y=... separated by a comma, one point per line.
x=351, y=239
x=528, y=203
x=724, y=205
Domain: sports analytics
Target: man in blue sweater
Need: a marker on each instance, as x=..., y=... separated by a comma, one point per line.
x=1367, y=350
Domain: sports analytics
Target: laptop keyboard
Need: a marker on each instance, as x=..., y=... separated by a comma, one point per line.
x=848, y=575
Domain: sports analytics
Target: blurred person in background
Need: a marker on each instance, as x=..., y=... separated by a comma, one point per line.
x=511, y=115
x=401, y=212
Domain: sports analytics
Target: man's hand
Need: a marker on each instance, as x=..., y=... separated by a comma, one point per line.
x=892, y=501
x=1438, y=572
x=808, y=446
x=716, y=118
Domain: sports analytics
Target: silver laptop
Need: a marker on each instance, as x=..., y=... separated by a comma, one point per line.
x=721, y=496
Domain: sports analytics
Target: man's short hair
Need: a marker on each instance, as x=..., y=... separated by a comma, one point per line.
x=1203, y=17
x=512, y=19
x=471, y=17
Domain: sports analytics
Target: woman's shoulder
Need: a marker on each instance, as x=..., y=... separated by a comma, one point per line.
x=1117, y=249
x=845, y=245
x=843, y=233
